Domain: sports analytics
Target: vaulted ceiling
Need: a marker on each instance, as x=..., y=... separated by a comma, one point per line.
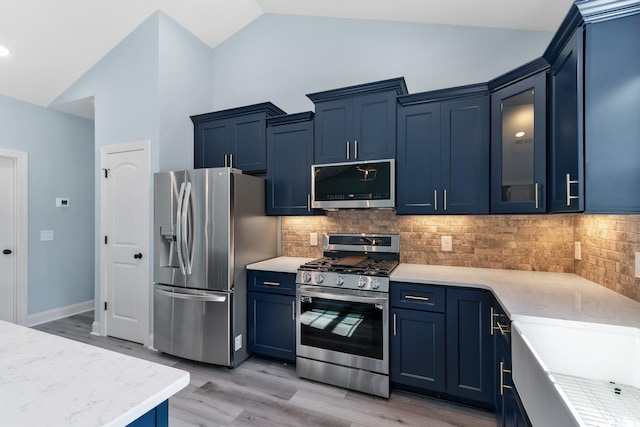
x=53, y=43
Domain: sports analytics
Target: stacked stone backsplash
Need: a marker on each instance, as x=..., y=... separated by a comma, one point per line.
x=516, y=242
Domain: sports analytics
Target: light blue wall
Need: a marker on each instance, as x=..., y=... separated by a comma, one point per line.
x=60, y=148
x=280, y=58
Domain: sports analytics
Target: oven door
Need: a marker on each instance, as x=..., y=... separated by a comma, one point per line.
x=344, y=327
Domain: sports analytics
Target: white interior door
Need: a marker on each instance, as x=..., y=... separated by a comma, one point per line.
x=7, y=240
x=125, y=218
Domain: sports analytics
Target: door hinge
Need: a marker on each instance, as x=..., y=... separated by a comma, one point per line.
x=105, y=306
x=106, y=172
x=106, y=240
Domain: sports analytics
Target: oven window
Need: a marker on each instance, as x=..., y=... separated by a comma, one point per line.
x=346, y=327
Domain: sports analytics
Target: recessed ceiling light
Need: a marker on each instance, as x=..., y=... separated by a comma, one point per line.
x=519, y=134
x=4, y=51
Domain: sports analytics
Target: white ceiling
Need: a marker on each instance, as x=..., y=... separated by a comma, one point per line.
x=54, y=42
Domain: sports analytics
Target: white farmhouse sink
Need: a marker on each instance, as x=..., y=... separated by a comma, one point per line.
x=571, y=373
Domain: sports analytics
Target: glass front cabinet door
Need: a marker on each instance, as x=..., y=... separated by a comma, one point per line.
x=518, y=137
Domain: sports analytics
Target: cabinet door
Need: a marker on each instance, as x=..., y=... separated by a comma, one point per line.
x=418, y=159
x=289, y=160
x=470, y=354
x=211, y=144
x=518, y=153
x=374, y=127
x=248, y=143
x=465, y=156
x=272, y=325
x=566, y=141
x=333, y=124
x=612, y=120
x=418, y=349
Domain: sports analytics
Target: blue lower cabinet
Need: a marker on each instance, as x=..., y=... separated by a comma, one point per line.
x=470, y=348
x=157, y=417
x=272, y=326
x=418, y=349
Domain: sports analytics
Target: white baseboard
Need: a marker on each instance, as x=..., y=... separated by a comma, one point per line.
x=59, y=313
x=95, y=328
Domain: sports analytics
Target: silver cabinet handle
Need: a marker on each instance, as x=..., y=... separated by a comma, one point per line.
x=355, y=149
x=435, y=200
x=493, y=314
x=230, y=160
x=537, y=198
x=416, y=298
x=445, y=199
x=348, y=149
x=308, y=202
x=271, y=283
x=395, y=324
x=225, y=161
x=569, y=196
x=293, y=310
x=502, y=384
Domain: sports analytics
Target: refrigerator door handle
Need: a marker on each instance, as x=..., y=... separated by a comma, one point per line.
x=179, y=228
x=192, y=297
x=185, y=239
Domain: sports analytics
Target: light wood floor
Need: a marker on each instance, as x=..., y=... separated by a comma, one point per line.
x=262, y=392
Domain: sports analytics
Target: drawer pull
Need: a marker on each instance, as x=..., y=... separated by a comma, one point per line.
x=493, y=314
x=271, y=283
x=395, y=325
x=411, y=297
x=504, y=329
x=502, y=384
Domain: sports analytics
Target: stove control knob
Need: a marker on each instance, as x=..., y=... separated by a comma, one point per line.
x=319, y=278
x=362, y=281
x=375, y=284
x=306, y=276
x=339, y=280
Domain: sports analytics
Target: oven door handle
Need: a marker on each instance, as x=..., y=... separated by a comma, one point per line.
x=340, y=295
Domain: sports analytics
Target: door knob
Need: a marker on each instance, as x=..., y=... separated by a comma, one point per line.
x=7, y=251
x=138, y=256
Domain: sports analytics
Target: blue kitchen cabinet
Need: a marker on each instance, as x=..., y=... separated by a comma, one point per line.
x=417, y=356
x=612, y=113
x=289, y=160
x=356, y=123
x=443, y=155
x=157, y=417
x=271, y=314
x=470, y=348
x=234, y=138
x=518, y=146
x=565, y=163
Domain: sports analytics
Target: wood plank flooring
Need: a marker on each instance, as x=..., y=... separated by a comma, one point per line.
x=263, y=392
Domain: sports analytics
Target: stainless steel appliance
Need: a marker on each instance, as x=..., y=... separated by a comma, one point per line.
x=208, y=225
x=369, y=184
x=342, y=312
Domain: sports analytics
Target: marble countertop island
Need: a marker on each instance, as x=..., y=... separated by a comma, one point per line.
x=46, y=380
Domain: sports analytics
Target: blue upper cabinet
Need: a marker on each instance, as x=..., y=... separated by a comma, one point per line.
x=289, y=160
x=612, y=113
x=443, y=152
x=518, y=143
x=234, y=138
x=565, y=161
x=357, y=122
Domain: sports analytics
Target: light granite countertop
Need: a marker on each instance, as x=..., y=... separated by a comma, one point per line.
x=46, y=380
x=521, y=293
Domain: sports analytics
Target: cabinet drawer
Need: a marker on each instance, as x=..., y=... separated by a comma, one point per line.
x=418, y=297
x=275, y=283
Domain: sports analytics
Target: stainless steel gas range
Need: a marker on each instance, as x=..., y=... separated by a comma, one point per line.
x=342, y=312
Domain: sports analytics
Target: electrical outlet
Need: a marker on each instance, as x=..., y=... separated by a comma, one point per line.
x=638, y=265
x=578, y=251
x=313, y=239
x=46, y=235
x=447, y=244
x=238, y=342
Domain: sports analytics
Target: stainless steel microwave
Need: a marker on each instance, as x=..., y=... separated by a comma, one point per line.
x=367, y=184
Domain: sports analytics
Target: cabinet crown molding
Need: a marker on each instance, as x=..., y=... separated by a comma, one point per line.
x=264, y=107
x=397, y=84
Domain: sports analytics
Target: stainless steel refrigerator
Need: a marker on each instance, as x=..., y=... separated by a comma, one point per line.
x=208, y=225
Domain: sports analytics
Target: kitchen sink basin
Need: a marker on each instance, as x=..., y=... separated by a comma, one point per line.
x=571, y=373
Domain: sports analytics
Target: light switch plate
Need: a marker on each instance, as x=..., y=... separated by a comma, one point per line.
x=46, y=235
x=313, y=239
x=447, y=244
x=638, y=265
x=578, y=251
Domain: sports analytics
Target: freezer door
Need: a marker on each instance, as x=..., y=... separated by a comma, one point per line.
x=208, y=240
x=168, y=266
x=193, y=324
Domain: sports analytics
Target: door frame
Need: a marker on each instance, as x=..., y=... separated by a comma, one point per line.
x=105, y=150
x=21, y=232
